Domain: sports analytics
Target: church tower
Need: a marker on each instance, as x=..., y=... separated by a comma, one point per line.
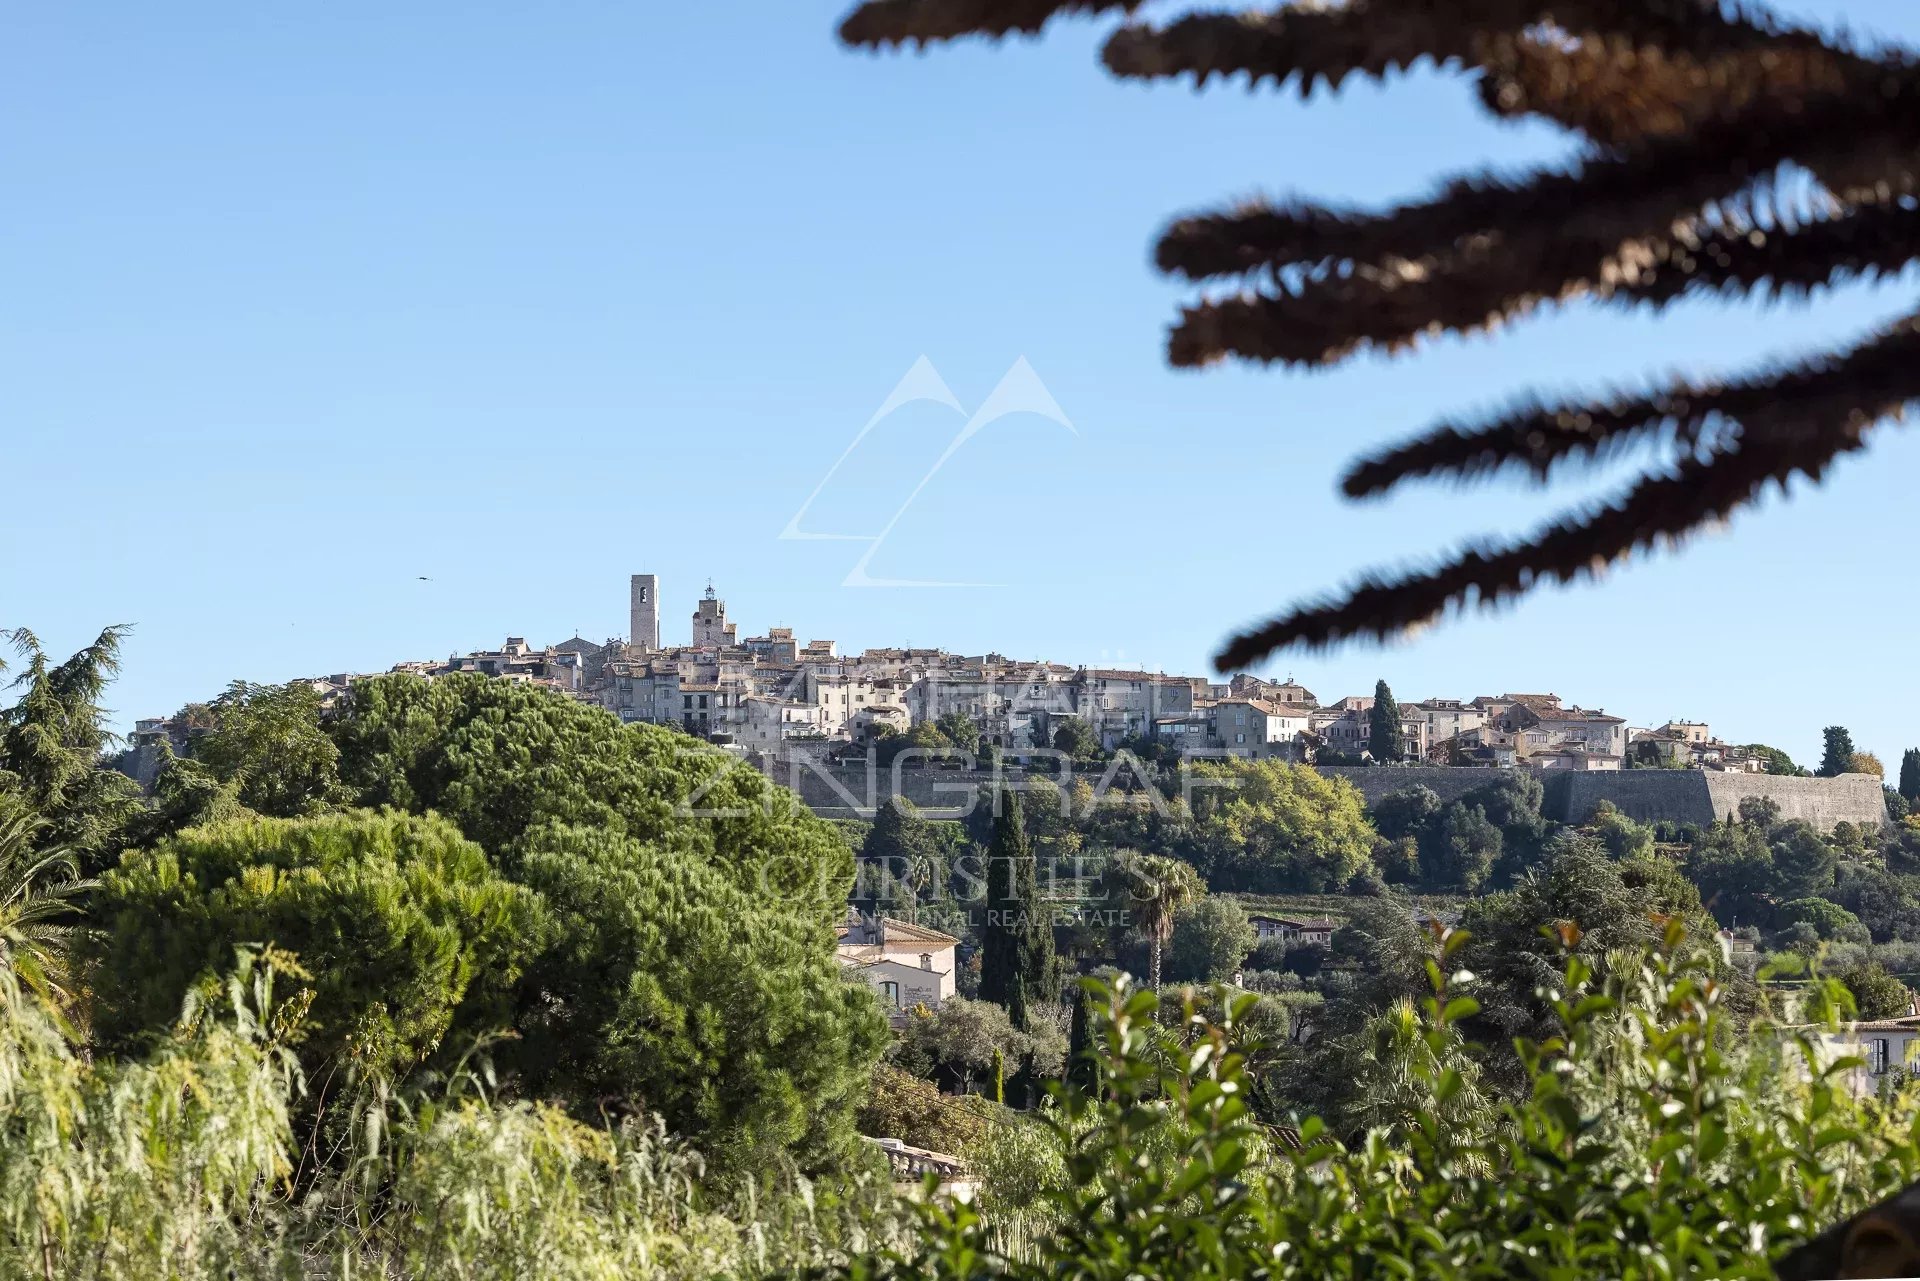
x=710, y=625
x=644, y=618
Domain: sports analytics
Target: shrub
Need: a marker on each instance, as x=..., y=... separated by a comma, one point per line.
x=1211, y=939
x=902, y=1106
x=1650, y=1142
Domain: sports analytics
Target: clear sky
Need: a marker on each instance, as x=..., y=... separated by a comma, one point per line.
x=301, y=302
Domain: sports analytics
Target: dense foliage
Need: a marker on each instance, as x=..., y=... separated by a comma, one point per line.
x=667, y=987
x=1268, y=826
x=1649, y=1142
x=468, y=971
x=412, y=940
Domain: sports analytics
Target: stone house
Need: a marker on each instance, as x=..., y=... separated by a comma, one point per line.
x=1294, y=929
x=906, y=964
x=1288, y=693
x=1888, y=1050
x=1256, y=729
x=1124, y=704
x=1446, y=717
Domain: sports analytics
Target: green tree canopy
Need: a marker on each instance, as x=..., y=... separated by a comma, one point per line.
x=667, y=986
x=501, y=759
x=1578, y=899
x=1803, y=861
x=1838, y=757
x=410, y=937
x=1829, y=922
x=52, y=740
x=1910, y=774
x=1211, y=938
x=960, y=730
x=1271, y=827
x=900, y=850
x=1458, y=849
x=1076, y=738
x=957, y=1043
x=267, y=741
x=1733, y=866
x=1876, y=993
x=1776, y=761
x=1405, y=812
x=1016, y=947
x=1147, y=891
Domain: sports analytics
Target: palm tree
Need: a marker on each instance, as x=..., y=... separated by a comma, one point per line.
x=1151, y=888
x=39, y=887
x=1729, y=153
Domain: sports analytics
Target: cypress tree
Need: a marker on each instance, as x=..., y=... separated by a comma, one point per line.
x=1910, y=774
x=1016, y=947
x=900, y=859
x=1081, y=1070
x=1838, y=758
x=1384, y=724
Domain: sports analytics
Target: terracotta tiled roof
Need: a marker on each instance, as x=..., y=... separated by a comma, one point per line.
x=1907, y=1023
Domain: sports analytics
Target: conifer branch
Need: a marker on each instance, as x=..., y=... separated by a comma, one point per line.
x=1864, y=243
x=1695, y=111
x=882, y=23
x=1658, y=511
x=1872, y=380
x=1643, y=191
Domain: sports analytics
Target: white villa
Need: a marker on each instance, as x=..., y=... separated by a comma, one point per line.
x=907, y=964
x=1294, y=929
x=1887, y=1048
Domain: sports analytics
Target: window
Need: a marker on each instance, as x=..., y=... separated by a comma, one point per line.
x=890, y=993
x=686, y=700
x=1880, y=1054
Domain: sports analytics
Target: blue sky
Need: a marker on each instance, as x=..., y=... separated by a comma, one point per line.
x=299, y=303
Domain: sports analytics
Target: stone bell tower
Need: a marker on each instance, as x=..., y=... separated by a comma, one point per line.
x=644, y=618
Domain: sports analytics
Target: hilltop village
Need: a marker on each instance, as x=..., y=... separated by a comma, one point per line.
x=773, y=693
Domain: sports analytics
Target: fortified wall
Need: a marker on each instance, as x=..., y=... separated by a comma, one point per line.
x=1702, y=796
x=1646, y=796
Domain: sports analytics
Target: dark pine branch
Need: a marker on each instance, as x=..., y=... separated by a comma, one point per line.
x=1616, y=93
x=1693, y=110
x=1659, y=511
x=1861, y=244
x=1801, y=439
x=880, y=23
x=1642, y=191
x=1876, y=378
x=1318, y=47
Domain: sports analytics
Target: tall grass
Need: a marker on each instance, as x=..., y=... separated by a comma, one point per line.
x=183, y=1164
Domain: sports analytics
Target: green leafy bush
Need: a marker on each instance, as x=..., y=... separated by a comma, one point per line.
x=1651, y=1142
x=182, y=1163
